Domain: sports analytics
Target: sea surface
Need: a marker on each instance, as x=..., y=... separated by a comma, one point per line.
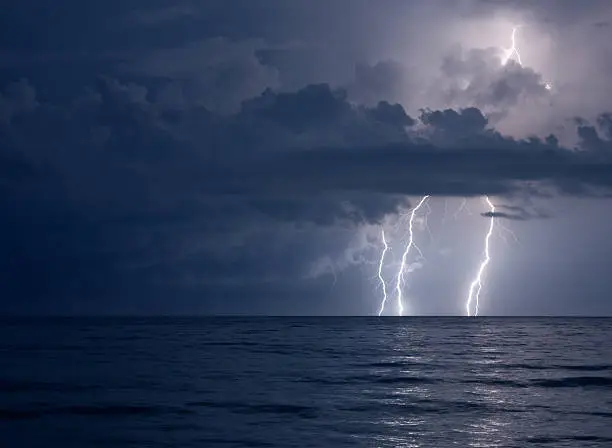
x=306, y=382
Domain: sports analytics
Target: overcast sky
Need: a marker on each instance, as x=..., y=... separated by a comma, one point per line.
x=224, y=156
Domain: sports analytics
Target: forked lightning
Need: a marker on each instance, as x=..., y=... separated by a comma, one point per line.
x=473, y=298
x=514, y=51
x=399, y=280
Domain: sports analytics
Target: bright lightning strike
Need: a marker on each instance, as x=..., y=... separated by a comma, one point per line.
x=380, y=276
x=476, y=285
x=513, y=51
x=409, y=246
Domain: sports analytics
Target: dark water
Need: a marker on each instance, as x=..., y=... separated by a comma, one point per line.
x=224, y=382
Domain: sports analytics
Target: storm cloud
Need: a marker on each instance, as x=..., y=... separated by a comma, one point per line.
x=252, y=151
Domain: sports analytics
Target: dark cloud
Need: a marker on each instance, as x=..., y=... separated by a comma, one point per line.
x=314, y=142
x=517, y=213
x=233, y=147
x=106, y=186
x=417, y=170
x=313, y=108
x=452, y=125
x=502, y=215
x=140, y=188
x=590, y=135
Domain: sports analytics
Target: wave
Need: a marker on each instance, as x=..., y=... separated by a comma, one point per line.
x=40, y=386
x=212, y=441
x=580, y=381
x=402, y=380
x=559, y=440
x=95, y=411
x=579, y=368
x=256, y=408
x=495, y=382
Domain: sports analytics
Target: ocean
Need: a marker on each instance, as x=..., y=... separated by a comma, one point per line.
x=306, y=382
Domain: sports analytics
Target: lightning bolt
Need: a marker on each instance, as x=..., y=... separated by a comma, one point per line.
x=476, y=285
x=409, y=246
x=380, y=276
x=514, y=51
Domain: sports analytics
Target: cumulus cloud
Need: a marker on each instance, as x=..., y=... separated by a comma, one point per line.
x=476, y=77
x=315, y=142
x=451, y=126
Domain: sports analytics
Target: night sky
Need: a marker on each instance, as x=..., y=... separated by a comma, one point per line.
x=244, y=157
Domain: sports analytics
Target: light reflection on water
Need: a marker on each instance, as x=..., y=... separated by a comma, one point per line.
x=310, y=383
